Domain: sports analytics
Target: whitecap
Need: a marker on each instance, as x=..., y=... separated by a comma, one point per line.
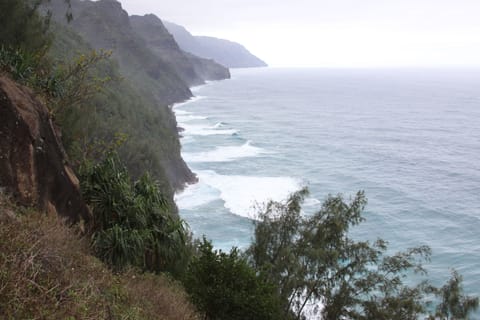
x=219, y=125
x=196, y=195
x=203, y=130
x=186, y=117
x=311, y=202
x=225, y=153
x=183, y=116
x=192, y=99
x=181, y=113
x=186, y=140
x=242, y=193
x=196, y=89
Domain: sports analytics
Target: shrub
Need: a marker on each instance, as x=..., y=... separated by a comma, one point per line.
x=223, y=286
x=454, y=304
x=131, y=224
x=314, y=261
x=23, y=28
x=19, y=64
x=47, y=272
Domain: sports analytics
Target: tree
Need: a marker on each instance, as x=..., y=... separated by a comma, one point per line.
x=223, y=286
x=23, y=27
x=313, y=260
x=454, y=304
x=131, y=225
x=25, y=40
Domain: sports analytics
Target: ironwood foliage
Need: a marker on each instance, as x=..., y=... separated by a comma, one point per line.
x=318, y=266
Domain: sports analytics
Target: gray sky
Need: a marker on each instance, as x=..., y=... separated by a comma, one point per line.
x=335, y=33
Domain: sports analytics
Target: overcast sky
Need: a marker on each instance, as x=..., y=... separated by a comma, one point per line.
x=335, y=33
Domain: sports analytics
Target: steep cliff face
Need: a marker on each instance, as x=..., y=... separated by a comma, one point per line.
x=193, y=70
x=152, y=31
x=105, y=25
x=138, y=104
x=33, y=165
x=228, y=53
x=208, y=69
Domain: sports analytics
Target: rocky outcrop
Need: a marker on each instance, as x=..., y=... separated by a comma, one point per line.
x=33, y=165
x=227, y=53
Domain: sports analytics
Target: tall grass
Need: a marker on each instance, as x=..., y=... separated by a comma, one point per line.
x=48, y=272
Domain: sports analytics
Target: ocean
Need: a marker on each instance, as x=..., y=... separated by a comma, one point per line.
x=410, y=138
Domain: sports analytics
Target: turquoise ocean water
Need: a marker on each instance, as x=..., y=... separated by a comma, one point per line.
x=409, y=138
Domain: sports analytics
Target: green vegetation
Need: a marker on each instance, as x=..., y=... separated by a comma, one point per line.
x=24, y=41
x=132, y=225
x=22, y=27
x=117, y=107
x=313, y=261
x=58, y=276
x=20, y=65
x=454, y=304
x=47, y=271
x=94, y=98
x=223, y=286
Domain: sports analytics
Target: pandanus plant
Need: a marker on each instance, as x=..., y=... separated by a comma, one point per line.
x=131, y=225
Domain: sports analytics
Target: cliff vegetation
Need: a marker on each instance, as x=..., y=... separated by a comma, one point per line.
x=90, y=230
x=48, y=271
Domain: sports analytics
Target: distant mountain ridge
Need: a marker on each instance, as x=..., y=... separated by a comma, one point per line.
x=145, y=50
x=150, y=71
x=192, y=69
x=228, y=53
x=137, y=102
x=105, y=25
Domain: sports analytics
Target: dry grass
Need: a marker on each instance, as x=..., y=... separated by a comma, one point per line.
x=47, y=272
x=174, y=303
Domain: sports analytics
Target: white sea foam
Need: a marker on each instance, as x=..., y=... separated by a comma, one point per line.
x=225, y=154
x=191, y=100
x=219, y=125
x=205, y=130
x=186, y=117
x=187, y=140
x=311, y=202
x=197, y=88
x=179, y=112
x=242, y=193
x=406, y=164
x=196, y=195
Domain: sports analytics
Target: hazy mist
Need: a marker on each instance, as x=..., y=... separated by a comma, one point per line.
x=341, y=33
